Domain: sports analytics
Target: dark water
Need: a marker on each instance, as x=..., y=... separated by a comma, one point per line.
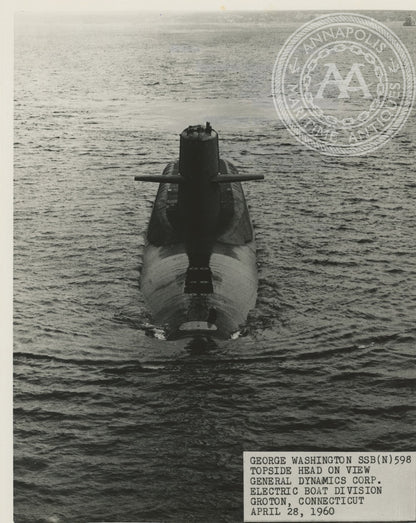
x=114, y=424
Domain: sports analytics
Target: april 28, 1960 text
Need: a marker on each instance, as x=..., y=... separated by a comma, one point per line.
x=329, y=486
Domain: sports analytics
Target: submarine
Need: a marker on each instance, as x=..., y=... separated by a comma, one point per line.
x=199, y=272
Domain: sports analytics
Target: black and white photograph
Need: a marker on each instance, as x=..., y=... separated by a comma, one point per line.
x=214, y=253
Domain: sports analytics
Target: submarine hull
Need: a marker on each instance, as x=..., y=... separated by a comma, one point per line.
x=215, y=299
x=234, y=280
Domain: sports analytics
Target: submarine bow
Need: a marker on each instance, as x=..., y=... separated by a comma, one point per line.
x=199, y=273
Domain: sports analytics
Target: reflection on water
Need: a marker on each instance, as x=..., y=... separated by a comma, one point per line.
x=200, y=345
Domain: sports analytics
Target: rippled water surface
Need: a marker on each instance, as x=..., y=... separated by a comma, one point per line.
x=114, y=424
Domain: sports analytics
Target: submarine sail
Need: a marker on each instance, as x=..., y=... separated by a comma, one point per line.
x=199, y=273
